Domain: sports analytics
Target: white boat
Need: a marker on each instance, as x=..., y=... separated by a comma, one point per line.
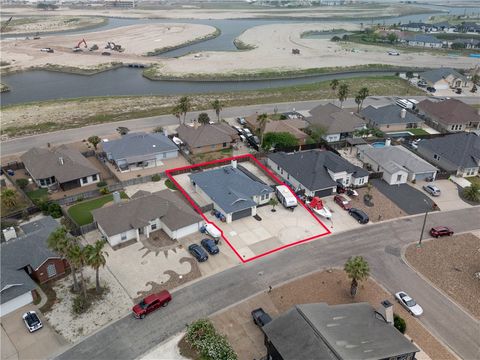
x=319, y=208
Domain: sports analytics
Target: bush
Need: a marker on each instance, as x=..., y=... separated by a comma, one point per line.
x=80, y=304
x=156, y=177
x=169, y=183
x=79, y=199
x=22, y=183
x=203, y=337
x=101, y=184
x=104, y=191
x=399, y=323
x=54, y=210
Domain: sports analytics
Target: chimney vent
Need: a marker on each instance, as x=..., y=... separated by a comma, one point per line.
x=60, y=160
x=9, y=233
x=388, y=142
x=234, y=164
x=403, y=113
x=387, y=311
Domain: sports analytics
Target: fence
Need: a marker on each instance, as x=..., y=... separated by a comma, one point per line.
x=375, y=175
x=14, y=165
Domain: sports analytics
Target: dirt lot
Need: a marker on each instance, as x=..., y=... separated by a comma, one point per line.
x=383, y=209
x=450, y=264
x=331, y=287
x=44, y=23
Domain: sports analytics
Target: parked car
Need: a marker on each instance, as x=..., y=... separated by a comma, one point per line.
x=241, y=121
x=359, y=215
x=438, y=231
x=151, y=303
x=342, y=202
x=408, y=303
x=260, y=317
x=32, y=321
x=198, y=252
x=254, y=142
x=48, y=50
x=210, y=246
x=238, y=129
x=393, y=53
x=431, y=89
x=341, y=189
x=422, y=83
x=246, y=132
x=432, y=189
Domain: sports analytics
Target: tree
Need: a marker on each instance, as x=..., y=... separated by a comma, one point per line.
x=474, y=89
x=472, y=192
x=335, y=38
x=342, y=93
x=203, y=118
x=273, y=202
x=409, y=74
x=399, y=323
x=392, y=37
x=184, y=106
x=262, y=120
x=94, y=140
x=96, y=259
x=217, y=105
x=457, y=46
x=280, y=140
x=334, y=84
x=22, y=183
x=476, y=79
x=361, y=96
x=9, y=198
x=158, y=129
x=59, y=242
x=357, y=269
x=316, y=133
x=76, y=255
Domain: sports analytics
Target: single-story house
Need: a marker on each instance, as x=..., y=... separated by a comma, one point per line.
x=416, y=27
x=390, y=118
x=449, y=115
x=206, y=138
x=340, y=332
x=423, y=40
x=337, y=123
x=316, y=172
x=26, y=261
x=62, y=166
x=233, y=192
x=292, y=126
x=467, y=43
x=398, y=164
x=459, y=153
x=136, y=151
x=444, y=78
x=144, y=213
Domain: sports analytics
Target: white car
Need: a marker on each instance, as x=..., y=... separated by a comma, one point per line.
x=408, y=303
x=393, y=53
x=432, y=189
x=32, y=321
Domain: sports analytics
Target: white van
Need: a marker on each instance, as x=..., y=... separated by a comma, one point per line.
x=285, y=196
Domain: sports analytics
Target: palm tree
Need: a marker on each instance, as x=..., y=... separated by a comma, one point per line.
x=184, y=106
x=262, y=120
x=334, y=84
x=177, y=113
x=77, y=258
x=357, y=269
x=472, y=192
x=273, y=202
x=358, y=101
x=96, y=259
x=203, y=118
x=9, y=198
x=59, y=242
x=342, y=93
x=217, y=105
x=363, y=93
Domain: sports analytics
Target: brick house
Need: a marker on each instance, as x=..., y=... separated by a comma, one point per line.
x=201, y=139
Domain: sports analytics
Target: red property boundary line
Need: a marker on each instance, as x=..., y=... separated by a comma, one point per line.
x=271, y=174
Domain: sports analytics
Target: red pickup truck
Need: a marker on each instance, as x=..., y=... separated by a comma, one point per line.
x=151, y=303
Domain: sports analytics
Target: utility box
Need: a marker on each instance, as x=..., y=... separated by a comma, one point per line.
x=9, y=233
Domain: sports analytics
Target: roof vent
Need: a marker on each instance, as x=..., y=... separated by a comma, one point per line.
x=60, y=160
x=403, y=113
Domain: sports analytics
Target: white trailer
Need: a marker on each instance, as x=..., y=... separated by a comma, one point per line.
x=285, y=196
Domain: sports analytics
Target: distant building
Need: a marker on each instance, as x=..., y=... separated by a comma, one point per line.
x=390, y=118
x=423, y=40
x=444, y=78
x=120, y=3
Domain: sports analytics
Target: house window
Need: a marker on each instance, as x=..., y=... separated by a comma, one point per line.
x=399, y=177
x=470, y=172
x=84, y=180
x=288, y=176
x=51, y=270
x=43, y=182
x=153, y=227
x=123, y=236
x=346, y=181
x=278, y=167
x=224, y=144
x=94, y=177
x=436, y=157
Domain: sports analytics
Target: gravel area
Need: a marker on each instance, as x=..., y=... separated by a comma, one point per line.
x=383, y=208
x=450, y=264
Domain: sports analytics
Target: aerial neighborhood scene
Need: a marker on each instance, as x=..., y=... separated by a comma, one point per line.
x=240, y=179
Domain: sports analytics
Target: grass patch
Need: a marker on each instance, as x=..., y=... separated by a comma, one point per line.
x=417, y=131
x=82, y=213
x=474, y=180
x=37, y=194
x=169, y=184
x=51, y=297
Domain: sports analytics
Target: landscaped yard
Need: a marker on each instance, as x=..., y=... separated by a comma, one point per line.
x=417, y=131
x=37, y=194
x=82, y=212
x=474, y=180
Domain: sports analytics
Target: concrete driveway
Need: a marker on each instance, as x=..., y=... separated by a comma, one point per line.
x=18, y=343
x=449, y=199
x=407, y=198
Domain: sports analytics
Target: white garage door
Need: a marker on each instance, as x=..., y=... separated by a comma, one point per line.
x=441, y=86
x=187, y=230
x=16, y=303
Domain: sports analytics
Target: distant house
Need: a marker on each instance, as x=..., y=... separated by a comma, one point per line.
x=422, y=40
x=340, y=332
x=390, y=118
x=444, y=78
x=206, y=138
x=145, y=213
x=467, y=43
x=398, y=164
x=415, y=27
x=459, y=153
x=316, y=172
x=62, y=166
x=449, y=115
x=337, y=123
x=233, y=192
x=26, y=260
x=136, y=151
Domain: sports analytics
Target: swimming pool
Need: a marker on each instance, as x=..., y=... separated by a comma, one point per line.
x=400, y=134
x=378, y=145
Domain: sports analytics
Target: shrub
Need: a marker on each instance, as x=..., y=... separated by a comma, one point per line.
x=54, y=210
x=472, y=192
x=399, y=323
x=203, y=337
x=169, y=183
x=104, y=191
x=158, y=129
x=101, y=184
x=22, y=183
x=80, y=304
x=156, y=177
x=79, y=199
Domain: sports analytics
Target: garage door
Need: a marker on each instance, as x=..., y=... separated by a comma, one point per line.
x=16, y=303
x=241, y=214
x=187, y=230
x=325, y=192
x=420, y=177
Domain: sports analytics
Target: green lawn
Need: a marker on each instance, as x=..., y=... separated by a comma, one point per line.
x=417, y=131
x=474, y=180
x=82, y=212
x=37, y=194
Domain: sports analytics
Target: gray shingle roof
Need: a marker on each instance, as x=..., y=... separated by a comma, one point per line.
x=172, y=210
x=136, y=146
x=461, y=149
x=310, y=167
x=435, y=75
x=205, y=135
x=389, y=114
x=230, y=188
x=334, y=119
x=44, y=163
x=321, y=331
x=423, y=38
x=29, y=249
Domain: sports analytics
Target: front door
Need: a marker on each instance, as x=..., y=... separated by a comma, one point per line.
x=141, y=231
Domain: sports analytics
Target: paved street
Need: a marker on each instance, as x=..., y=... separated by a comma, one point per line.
x=381, y=244
x=20, y=145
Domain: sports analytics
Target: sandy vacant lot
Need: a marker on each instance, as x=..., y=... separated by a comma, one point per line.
x=49, y=23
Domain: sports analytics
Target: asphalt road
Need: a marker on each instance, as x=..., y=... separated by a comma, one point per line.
x=381, y=244
x=20, y=145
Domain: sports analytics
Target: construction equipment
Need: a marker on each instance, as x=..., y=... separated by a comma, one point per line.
x=112, y=46
x=296, y=51
x=4, y=26
x=77, y=47
x=93, y=47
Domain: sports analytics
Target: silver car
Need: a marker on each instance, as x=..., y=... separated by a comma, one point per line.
x=408, y=303
x=432, y=189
